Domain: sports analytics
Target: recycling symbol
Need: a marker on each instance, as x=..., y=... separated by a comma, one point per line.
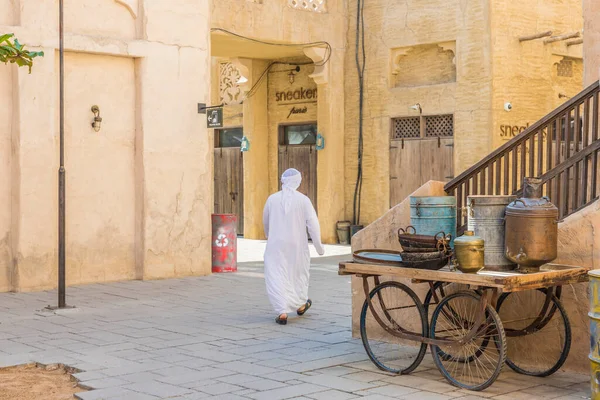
x=222, y=240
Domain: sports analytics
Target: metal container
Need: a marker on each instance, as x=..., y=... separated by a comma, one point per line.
x=224, y=243
x=486, y=220
x=343, y=232
x=431, y=215
x=594, y=315
x=469, y=253
x=531, y=235
x=410, y=241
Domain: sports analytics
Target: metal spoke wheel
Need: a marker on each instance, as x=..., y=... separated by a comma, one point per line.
x=438, y=292
x=472, y=365
x=395, y=308
x=441, y=290
x=538, y=331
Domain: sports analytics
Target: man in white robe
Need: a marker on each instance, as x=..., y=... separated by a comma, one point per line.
x=286, y=217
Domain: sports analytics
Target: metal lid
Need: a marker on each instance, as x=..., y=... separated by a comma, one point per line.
x=526, y=207
x=594, y=273
x=469, y=239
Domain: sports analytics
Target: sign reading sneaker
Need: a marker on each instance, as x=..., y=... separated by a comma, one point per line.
x=300, y=95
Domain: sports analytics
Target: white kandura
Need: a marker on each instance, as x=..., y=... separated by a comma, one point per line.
x=286, y=217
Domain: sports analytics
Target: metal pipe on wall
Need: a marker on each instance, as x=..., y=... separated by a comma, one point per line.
x=61, y=170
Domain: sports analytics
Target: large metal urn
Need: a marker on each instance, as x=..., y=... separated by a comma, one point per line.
x=531, y=235
x=486, y=220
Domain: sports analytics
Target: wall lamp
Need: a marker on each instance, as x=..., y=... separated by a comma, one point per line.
x=417, y=107
x=97, y=120
x=292, y=75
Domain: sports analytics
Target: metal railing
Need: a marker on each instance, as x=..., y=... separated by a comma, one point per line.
x=562, y=149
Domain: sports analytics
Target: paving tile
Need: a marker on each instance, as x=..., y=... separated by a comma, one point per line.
x=104, y=383
x=219, y=388
x=175, y=338
x=333, y=395
x=262, y=384
x=336, y=382
x=389, y=390
x=109, y=393
x=159, y=389
x=287, y=392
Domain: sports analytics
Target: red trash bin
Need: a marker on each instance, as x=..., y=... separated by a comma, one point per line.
x=224, y=243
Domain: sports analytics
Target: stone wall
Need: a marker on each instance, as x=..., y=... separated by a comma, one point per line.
x=491, y=68
x=591, y=41
x=526, y=74
x=137, y=206
x=579, y=244
x=285, y=22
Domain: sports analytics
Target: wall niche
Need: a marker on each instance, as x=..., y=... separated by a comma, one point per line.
x=423, y=65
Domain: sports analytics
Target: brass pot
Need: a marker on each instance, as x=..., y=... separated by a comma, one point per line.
x=531, y=234
x=469, y=252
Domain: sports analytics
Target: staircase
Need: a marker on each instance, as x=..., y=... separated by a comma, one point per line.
x=562, y=149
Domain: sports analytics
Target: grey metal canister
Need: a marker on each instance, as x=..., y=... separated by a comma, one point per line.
x=486, y=219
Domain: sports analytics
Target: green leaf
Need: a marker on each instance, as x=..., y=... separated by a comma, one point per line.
x=15, y=53
x=4, y=38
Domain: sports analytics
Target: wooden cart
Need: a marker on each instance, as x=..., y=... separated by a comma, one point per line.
x=459, y=319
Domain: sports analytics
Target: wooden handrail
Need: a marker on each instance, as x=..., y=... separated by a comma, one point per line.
x=562, y=148
x=520, y=138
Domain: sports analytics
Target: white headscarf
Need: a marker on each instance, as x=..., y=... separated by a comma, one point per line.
x=290, y=182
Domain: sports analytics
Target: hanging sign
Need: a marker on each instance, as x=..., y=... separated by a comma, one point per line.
x=214, y=118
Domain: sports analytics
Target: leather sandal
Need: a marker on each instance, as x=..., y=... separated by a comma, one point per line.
x=305, y=308
x=281, y=321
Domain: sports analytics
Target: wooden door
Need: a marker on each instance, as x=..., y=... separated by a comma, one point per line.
x=437, y=159
x=405, y=169
x=417, y=161
x=421, y=149
x=229, y=183
x=304, y=159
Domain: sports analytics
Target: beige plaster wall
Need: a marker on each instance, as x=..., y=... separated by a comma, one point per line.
x=275, y=21
x=256, y=161
x=525, y=73
x=100, y=166
x=279, y=111
x=591, y=41
x=460, y=26
x=137, y=205
x=99, y=18
x=6, y=115
x=579, y=244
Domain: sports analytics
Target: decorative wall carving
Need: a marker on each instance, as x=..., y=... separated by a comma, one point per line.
x=319, y=6
x=229, y=90
x=422, y=65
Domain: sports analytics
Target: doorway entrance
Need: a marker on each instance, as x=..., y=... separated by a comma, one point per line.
x=421, y=149
x=297, y=149
x=229, y=174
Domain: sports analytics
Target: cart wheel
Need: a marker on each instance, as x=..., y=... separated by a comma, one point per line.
x=528, y=326
x=473, y=365
x=399, y=309
x=443, y=289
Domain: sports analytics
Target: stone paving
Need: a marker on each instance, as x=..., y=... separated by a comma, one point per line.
x=215, y=337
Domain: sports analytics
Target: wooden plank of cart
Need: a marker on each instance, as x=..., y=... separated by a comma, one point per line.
x=459, y=319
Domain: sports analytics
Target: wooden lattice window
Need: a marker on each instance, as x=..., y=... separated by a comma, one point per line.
x=565, y=68
x=439, y=125
x=406, y=128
